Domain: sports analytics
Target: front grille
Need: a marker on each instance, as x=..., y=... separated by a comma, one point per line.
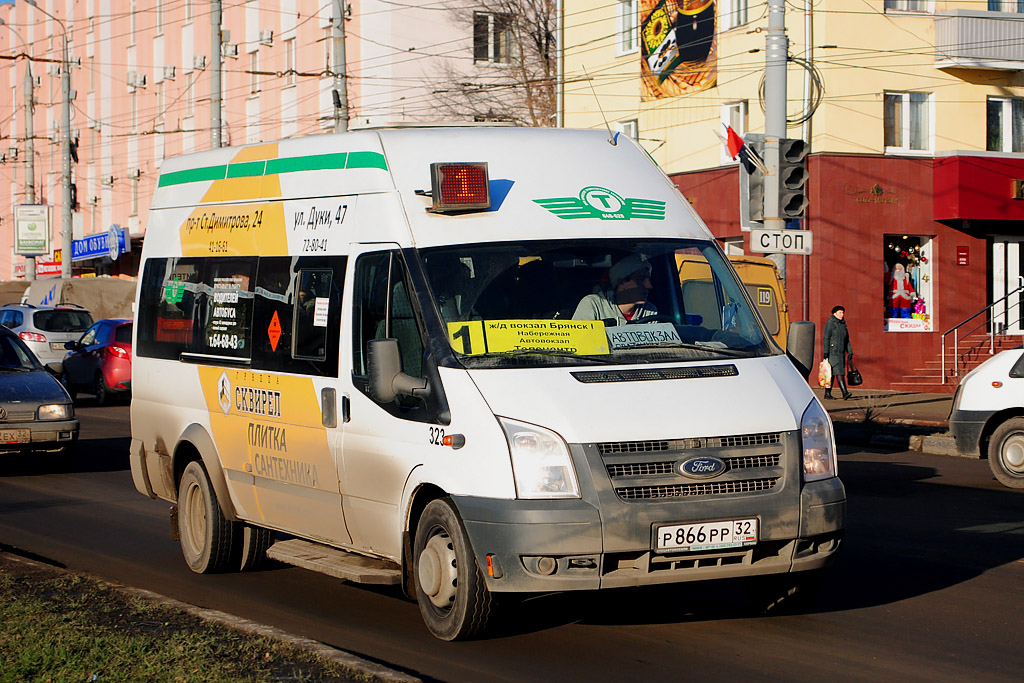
x=750, y=461
x=744, y=440
x=632, y=447
x=640, y=469
x=703, y=489
x=19, y=416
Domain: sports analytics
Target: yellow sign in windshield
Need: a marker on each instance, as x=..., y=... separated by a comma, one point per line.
x=579, y=337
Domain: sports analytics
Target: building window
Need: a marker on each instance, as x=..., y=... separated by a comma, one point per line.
x=628, y=35
x=734, y=115
x=630, y=128
x=492, y=37
x=907, y=121
x=734, y=13
x=1016, y=6
x=1005, y=125
x=908, y=288
x=254, y=67
x=289, y=62
x=906, y=5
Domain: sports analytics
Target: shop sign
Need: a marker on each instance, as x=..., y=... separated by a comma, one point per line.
x=908, y=325
x=43, y=268
x=31, y=229
x=876, y=194
x=96, y=246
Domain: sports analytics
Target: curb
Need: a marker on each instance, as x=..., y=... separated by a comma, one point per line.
x=353, y=664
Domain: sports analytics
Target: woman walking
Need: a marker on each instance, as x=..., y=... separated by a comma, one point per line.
x=836, y=344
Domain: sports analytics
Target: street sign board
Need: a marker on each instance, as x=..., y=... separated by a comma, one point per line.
x=780, y=241
x=31, y=229
x=95, y=246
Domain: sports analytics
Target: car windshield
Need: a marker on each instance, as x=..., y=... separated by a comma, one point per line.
x=15, y=356
x=61, y=320
x=123, y=334
x=592, y=302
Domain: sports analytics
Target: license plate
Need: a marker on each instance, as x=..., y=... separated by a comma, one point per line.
x=15, y=436
x=730, y=533
x=57, y=346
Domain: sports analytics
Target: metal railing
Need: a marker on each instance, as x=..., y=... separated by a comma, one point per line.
x=992, y=330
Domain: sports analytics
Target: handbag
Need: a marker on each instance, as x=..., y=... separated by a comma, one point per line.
x=825, y=374
x=853, y=377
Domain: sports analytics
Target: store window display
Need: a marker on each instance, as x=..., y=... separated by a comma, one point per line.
x=907, y=292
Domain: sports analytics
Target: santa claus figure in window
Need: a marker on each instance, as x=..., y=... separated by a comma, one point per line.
x=901, y=293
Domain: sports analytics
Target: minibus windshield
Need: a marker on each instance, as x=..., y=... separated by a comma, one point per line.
x=562, y=302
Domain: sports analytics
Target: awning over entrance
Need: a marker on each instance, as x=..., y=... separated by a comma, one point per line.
x=978, y=188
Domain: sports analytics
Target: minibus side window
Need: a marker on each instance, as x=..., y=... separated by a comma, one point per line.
x=167, y=306
x=282, y=312
x=383, y=308
x=228, y=307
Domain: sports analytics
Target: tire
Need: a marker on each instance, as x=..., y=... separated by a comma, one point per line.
x=254, y=543
x=1006, y=453
x=101, y=390
x=790, y=593
x=68, y=386
x=206, y=535
x=450, y=589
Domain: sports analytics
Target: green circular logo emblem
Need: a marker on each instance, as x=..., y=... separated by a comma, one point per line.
x=602, y=200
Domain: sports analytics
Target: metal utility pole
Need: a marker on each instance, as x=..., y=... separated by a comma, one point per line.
x=777, y=54
x=338, y=67
x=215, y=73
x=30, y=147
x=66, y=222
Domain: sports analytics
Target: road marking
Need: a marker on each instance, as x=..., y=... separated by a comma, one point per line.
x=998, y=528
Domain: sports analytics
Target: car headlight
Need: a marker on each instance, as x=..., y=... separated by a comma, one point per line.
x=819, y=450
x=540, y=462
x=55, y=411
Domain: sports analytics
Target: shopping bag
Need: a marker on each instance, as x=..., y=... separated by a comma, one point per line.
x=853, y=377
x=825, y=374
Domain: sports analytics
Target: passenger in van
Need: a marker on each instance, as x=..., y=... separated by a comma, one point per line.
x=624, y=297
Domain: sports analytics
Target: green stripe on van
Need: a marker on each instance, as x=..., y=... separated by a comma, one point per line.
x=250, y=169
x=193, y=175
x=247, y=169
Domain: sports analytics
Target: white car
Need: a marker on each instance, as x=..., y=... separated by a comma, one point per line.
x=46, y=329
x=988, y=415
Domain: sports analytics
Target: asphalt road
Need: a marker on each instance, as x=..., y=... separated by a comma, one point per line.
x=929, y=585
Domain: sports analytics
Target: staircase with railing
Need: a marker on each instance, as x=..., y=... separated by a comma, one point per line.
x=966, y=345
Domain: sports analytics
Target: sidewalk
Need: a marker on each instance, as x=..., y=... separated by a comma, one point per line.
x=892, y=419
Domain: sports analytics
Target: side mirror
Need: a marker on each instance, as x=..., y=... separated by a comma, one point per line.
x=387, y=380
x=71, y=345
x=800, y=346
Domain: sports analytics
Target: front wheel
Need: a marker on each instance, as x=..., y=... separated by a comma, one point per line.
x=68, y=386
x=206, y=535
x=1006, y=453
x=451, y=592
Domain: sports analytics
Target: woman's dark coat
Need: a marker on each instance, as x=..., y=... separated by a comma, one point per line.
x=836, y=345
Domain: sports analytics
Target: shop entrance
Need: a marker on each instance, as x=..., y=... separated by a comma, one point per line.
x=1007, y=276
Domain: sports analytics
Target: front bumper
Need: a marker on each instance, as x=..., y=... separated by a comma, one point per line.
x=966, y=426
x=45, y=436
x=603, y=541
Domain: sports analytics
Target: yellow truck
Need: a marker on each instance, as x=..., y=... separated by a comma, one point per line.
x=760, y=277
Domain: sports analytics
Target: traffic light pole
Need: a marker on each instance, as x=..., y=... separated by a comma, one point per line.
x=777, y=53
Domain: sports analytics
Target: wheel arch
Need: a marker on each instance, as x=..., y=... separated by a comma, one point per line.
x=196, y=444
x=418, y=501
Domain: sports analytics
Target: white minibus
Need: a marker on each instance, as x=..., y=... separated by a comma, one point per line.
x=463, y=361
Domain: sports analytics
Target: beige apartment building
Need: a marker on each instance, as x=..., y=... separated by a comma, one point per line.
x=914, y=115
x=142, y=80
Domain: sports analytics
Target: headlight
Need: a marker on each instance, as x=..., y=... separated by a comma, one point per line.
x=819, y=451
x=55, y=411
x=540, y=462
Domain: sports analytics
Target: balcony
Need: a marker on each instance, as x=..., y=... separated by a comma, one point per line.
x=972, y=39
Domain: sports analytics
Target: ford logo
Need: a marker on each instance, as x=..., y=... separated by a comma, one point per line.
x=702, y=467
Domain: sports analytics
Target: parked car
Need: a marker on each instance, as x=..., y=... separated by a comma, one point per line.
x=45, y=329
x=36, y=413
x=100, y=363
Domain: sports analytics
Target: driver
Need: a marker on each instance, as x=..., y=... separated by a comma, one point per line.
x=624, y=298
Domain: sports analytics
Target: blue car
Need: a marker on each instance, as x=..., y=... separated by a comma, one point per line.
x=36, y=413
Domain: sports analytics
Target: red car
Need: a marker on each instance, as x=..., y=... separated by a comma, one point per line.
x=100, y=362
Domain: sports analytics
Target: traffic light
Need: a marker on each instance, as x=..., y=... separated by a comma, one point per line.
x=752, y=182
x=792, y=178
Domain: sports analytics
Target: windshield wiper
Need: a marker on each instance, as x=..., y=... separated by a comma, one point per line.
x=15, y=368
x=603, y=358
x=720, y=350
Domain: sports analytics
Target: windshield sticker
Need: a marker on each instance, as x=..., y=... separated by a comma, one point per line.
x=602, y=203
x=577, y=337
x=643, y=335
x=321, y=305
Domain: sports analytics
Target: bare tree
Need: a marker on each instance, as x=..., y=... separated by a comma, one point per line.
x=513, y=74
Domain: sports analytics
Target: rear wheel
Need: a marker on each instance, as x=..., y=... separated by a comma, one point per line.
x=206, y=535
x=101, y=390
x=1006, y=453
x=68, y=386
x=451, y=592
